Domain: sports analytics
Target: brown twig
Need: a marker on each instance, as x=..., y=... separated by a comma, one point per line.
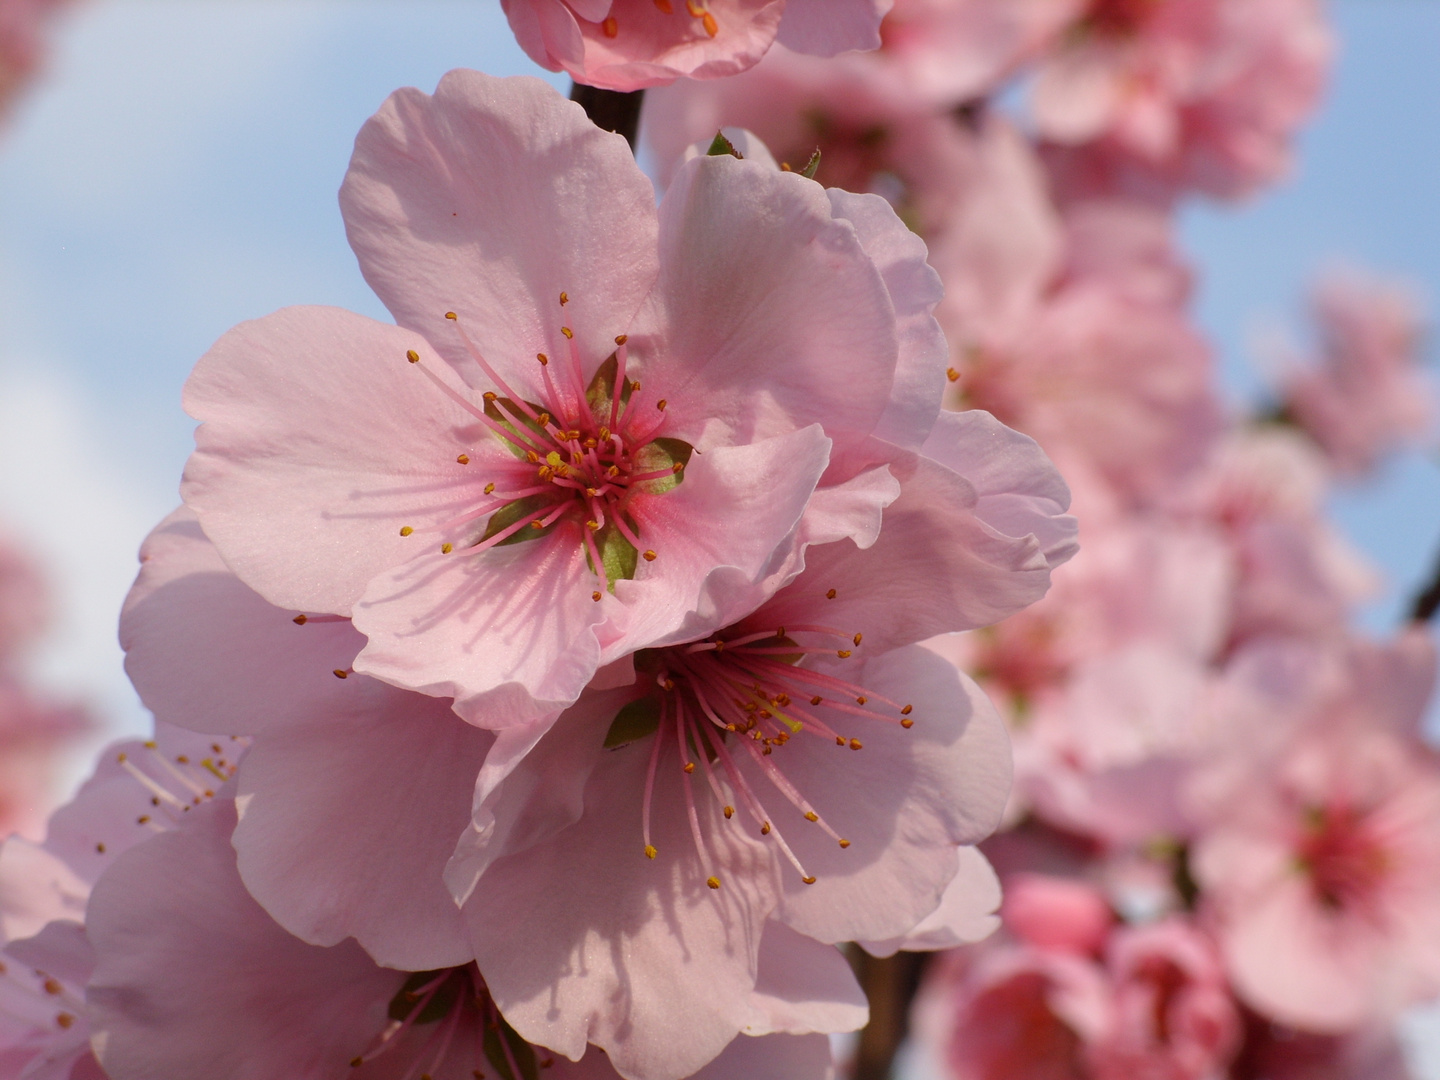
x=1427, y=600
x=890, y=986
x=610, y=109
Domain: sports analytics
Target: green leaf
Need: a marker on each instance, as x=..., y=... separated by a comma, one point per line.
x=812, y=166
x=660, y=454
x=601, y=391
x=632, y=723
x=506, y=419
x=404, y=1001
x=515, y=511
x=722, y=146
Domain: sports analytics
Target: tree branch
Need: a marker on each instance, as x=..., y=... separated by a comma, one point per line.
x=610, y=109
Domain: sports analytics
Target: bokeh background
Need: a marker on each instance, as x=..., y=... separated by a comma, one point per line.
x=175, y=173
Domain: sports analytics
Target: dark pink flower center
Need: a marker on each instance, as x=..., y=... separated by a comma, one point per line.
x=584, y=460
x=1344, y=858
x=731, y=697
x=1120, y=17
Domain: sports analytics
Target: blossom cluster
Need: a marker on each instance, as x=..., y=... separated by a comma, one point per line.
x=1222, y=853
x=551, y=680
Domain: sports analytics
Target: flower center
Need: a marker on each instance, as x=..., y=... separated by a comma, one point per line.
x=1345, y=860
x=1120, y=17
x=446, y=1022
x=583, y=460
x=729, y=698
x=695, y=9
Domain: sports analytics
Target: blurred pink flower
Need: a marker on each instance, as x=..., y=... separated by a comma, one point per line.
x=1056, y=914
x=24, y=602
x=24, y=26
x=1151, y=97
x=354, y=483
x=1364, y=394
x=1320, y=868
x=631, y=44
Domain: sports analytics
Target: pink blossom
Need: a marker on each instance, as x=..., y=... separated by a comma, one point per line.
x=230, y=995
x=349, y=782
x=1056, y=914
x=631, y=44
x=24, y=602
x=1152, y=97
x=1364, y=395
x=1174, y=1018
x=1321, y=879
x=137, y=790
x=356, y=484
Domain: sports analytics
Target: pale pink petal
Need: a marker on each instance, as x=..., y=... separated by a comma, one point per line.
x=904, y=801
x=1056, y=914
x=582, y=937
x=966, y=914
x=194, y=637
x=442, y=202
x=784, y=320
x=509, y=634
x=346, y=824
x=193, y=981
x=827, y=27
x=318, y=443
x=900, y=256
x=36, y=888
x=803, y=986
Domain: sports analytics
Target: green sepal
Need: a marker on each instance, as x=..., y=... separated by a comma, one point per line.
x=520, y=1050
x=632, y=723
x=601, y=391
x=617, y=553
x=720, y=146
x=437, y=1008
x=515, y=511
x=812, y=166
x=660, y=454
x=505, y=419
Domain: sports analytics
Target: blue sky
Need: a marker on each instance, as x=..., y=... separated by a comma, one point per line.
x=176, y=174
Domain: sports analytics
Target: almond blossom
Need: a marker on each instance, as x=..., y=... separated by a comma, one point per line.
x=631, y=44
x=1150, y=97
x=587, y=411
x=233, y=996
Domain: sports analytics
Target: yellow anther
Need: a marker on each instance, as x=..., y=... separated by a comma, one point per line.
x=101, y=847
x=665, y=7
x=650, y=851
x=785, y=167
x=595, y=596
x=300, y=620
x=463, y=459
x=355, y=1063
x=340, y=673
x=122, y=758
x=907, y=723
x=143, y=819
x=810, y=815
x=808, y=880
x=406, y=530
x=765, y=829
x=620, y=339
x=451, y=316
x=711, y=26
x=648, y=556
x=532, y=457
x=489, y=395
x=816, y=700
x=713, y=882
x=861, y=700
x=446, y=549
x=857, y=638
x=611, y=28
x=567, y=331
x=544, y=360
x=65, y=1020
x=52, y=987
x=537, y=525
x=839, y=740
x=844, y=843
x=729, y=812
x=545, y=473
x=689, y=767
x=907, y=710
x=855, y=744
x=635, y=386
x=151, y=744
x=678, y=468
x=661, y=404
x=830, y=595
x=564, y=299
x=952, y=374
x=489, y=487
x=843, y=654
x=412, y=356
x=592, y=525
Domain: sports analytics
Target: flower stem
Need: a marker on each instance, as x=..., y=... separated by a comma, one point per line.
x=1427, y=600
x=610, y=109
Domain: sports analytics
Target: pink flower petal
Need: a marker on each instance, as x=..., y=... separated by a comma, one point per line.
x=827, y=27
x=803, y=986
